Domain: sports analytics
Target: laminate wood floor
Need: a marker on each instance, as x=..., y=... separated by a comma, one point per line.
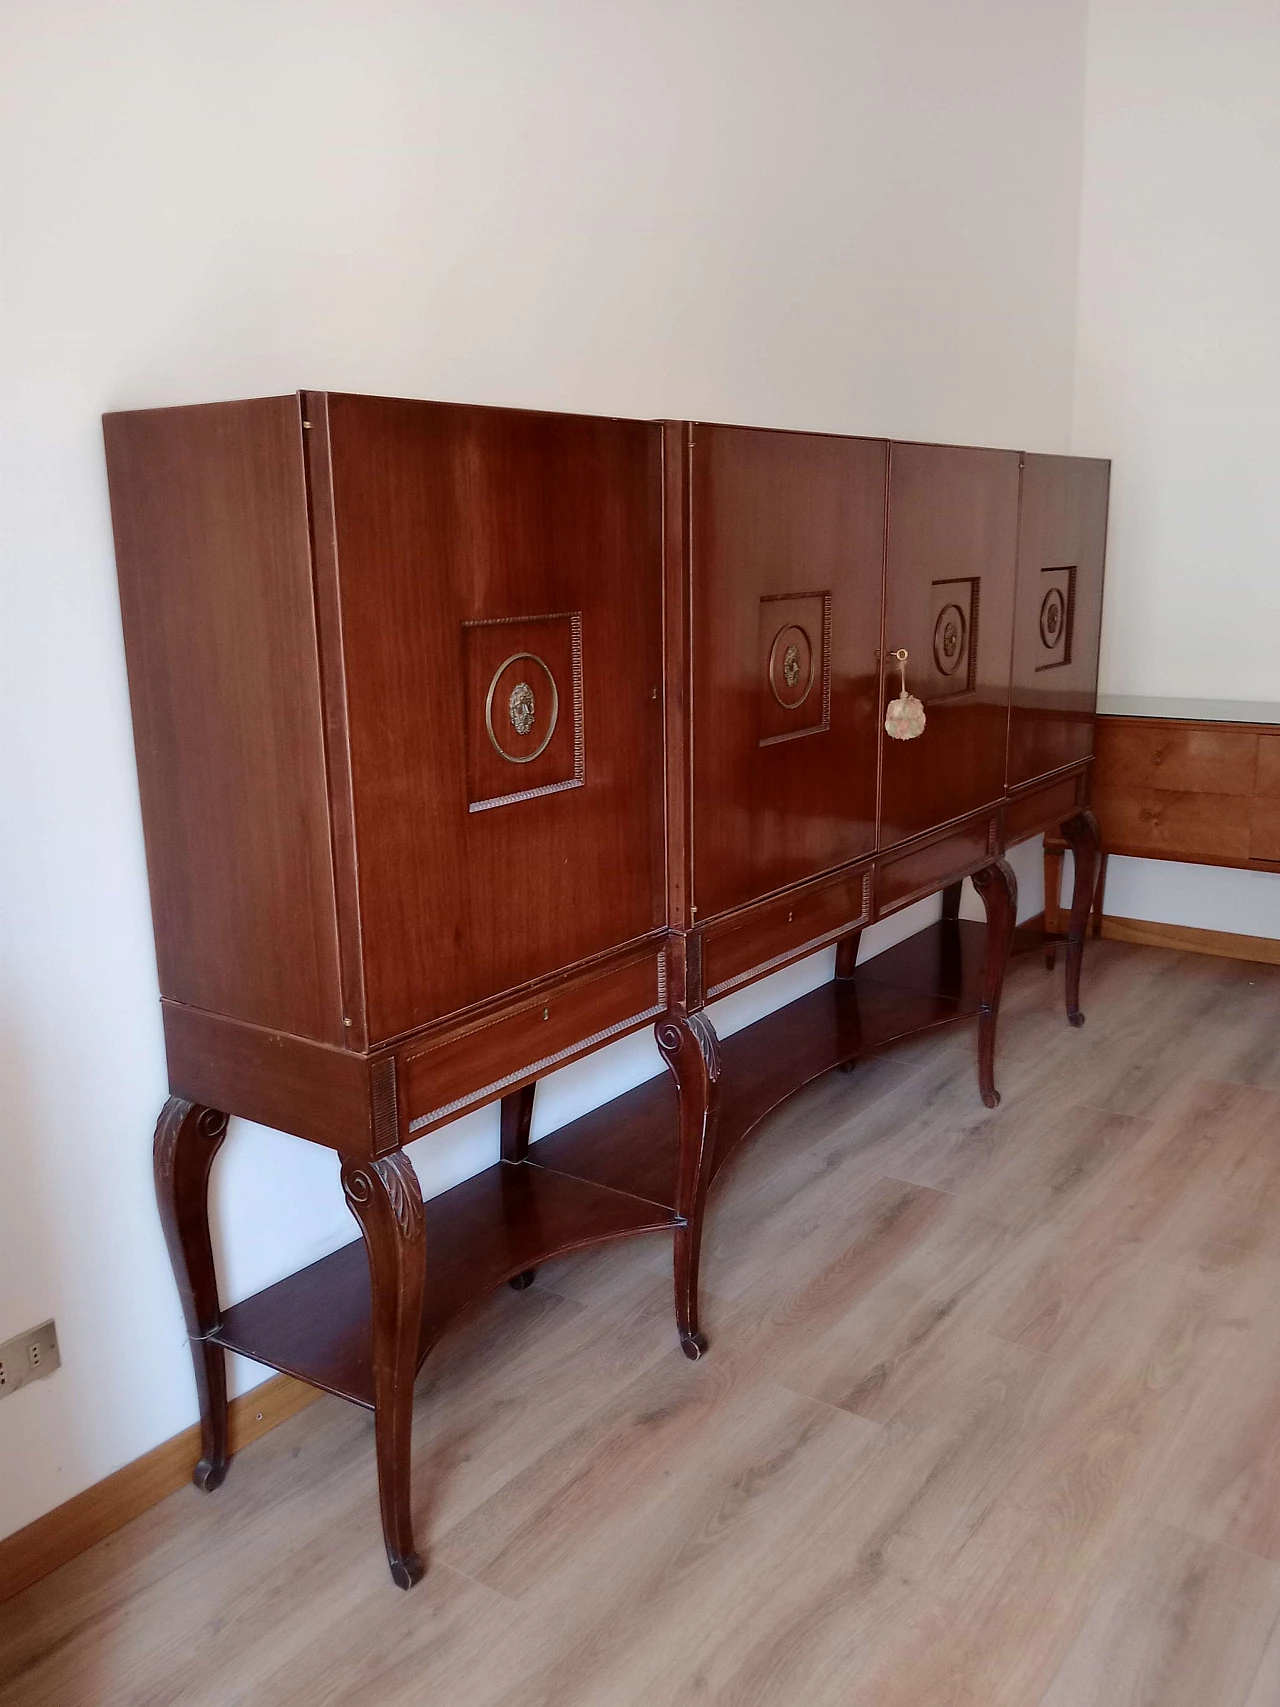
x=991, y=1417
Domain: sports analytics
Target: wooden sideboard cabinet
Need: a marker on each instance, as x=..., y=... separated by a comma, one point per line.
x=470, y=739
x=396, y=674
x=798, y=567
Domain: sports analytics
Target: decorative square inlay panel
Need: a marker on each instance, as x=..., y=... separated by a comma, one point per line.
x=1055, y=617
x=952, y=653
x=523, y=708
x=795, y=666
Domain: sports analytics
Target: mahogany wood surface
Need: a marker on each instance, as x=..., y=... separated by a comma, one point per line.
x=467, y=1066
x=933, y=978
x=386, y=1200
x=952, y=552
x=472, y=738
x=214, y=565
x=926, y=866
x=762, y=937
x=786, y=548
x=1061, y=550
x=466, y=536
x=998, y=890
x=312, y=1090
x=691, y=1051
x=1043, y=805
x=315, y=1324
x=1081, y=834
x=187, y=1139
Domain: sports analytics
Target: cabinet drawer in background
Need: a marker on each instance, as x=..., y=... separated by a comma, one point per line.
x=1183, y=758
x=921, y=871
x=766, y=936
x=443, y=1077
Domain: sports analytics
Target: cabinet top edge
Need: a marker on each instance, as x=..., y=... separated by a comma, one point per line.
x=691, y=424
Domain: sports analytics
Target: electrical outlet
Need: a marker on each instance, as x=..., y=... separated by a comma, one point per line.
x=28, y=1357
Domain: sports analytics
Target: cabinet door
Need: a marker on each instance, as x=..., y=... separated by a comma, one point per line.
x=1062, y=538
x=786, y=544
x=953, y=529
x=498, y=576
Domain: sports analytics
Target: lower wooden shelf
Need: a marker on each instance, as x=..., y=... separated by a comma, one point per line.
x=609, y=1174
x=315, y=1324
x=933, y=978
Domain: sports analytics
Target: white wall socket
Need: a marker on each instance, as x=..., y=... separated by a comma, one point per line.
x=26, y=1357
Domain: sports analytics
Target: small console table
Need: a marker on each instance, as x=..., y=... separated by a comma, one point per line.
x=1192, y=780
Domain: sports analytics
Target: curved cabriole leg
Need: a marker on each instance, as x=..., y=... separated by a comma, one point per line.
x=691, y=1050
x=385, y=1199
x=188, y=1137
x=517, y=1118
x=846, y=966
x=1053, y=851
x=998, y=888
x=1081, y=833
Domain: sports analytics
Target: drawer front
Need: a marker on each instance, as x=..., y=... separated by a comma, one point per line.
x=1264, y=833
x=767, y=936
x=466, y=1068
x=1183, y=758
x=1043, y=808
x=923, y=870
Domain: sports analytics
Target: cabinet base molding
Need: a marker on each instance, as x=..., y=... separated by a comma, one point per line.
x=1230, y=945
x=81, y=1522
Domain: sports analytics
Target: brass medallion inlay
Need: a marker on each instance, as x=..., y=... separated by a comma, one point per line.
x=949, y=635
x=522, y=709
x=791, y=670
x=1053, y=612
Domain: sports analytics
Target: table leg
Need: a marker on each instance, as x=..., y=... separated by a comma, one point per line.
x=385, y=1199
x=188, y=1137
x=998, y=888
x=691, y=1050
x=1081, y=833
x=517, y=1118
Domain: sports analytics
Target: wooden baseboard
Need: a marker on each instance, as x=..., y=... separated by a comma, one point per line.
x=1190, y=938
x=108, y=1505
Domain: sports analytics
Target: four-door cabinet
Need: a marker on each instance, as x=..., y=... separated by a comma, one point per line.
x=470, y=739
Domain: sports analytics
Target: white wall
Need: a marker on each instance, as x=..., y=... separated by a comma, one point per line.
x=836, y=214
x=1178, y=378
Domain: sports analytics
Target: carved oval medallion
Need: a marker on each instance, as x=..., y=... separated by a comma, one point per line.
x=949, y=634
x=1053, y=614
x=524, y=683
x=791, y=669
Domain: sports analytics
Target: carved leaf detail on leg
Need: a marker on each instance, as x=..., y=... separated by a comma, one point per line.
x=396, y=1173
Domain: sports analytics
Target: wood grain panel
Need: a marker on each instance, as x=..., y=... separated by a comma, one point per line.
x=1264, y=829
x=1189, y=758
x=1162, y=823
x=209, y=507
x=953, y=531
x=1168, y=788
x=1026, y=814
x=1062, y=535
x=786, y=528
x=926, y=868
x=446, y=516
x=310, y=1089
x=1268, y=778
x=749, y=944
x=466, y=1068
